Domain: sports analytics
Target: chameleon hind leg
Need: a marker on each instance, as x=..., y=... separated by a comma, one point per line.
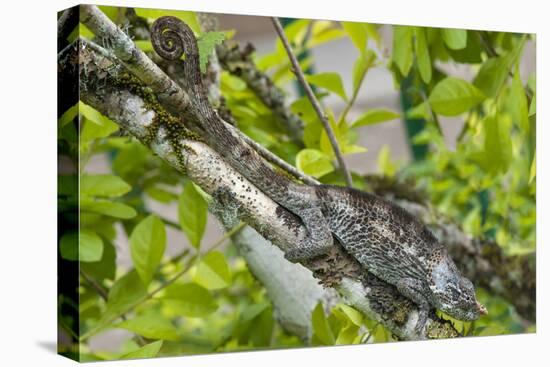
x=318, y=240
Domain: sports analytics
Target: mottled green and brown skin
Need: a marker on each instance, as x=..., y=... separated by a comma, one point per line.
x=385, y=239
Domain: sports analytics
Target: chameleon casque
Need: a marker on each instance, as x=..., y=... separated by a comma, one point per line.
x=385, y=239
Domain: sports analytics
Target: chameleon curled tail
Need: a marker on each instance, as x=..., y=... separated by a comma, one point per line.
x=172, y=39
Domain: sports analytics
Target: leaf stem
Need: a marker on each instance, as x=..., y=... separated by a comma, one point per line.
x=351, y=102
x=311, y=96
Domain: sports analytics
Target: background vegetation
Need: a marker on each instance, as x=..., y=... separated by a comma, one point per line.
x=204, y=299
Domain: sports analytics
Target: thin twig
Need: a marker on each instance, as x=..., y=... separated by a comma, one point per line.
x=432, y=114
x=315, y=103
x=272, y=158
x=95, y=286
x=236, y=229
x=353, y=98
x=103, y=294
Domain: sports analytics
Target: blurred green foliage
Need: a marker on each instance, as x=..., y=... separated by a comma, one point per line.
x=202, y=301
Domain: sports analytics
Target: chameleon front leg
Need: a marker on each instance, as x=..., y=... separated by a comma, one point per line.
x=415, y=290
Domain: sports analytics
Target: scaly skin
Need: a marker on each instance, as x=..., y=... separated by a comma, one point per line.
x=385, y=239
x=396, y=247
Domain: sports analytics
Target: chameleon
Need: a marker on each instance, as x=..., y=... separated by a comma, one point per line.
x=385, y=239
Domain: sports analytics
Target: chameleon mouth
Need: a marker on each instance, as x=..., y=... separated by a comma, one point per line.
x=482, y=310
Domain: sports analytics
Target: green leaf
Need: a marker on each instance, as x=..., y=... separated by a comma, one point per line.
x=314, y=162
x=455, y=39
x=321, y=328
x=91, y=114
x=352, y=314
x=213, y=271
x=451, y=97
x=250, y=312
x=517, y=103
x=106, y=267
x=533, y=170
x=375, y=116
x=147, y=351
x=385, y=164
x=358, y=33
x=421, y=111
x=533, y=106
x=494, y=72
x=147, y=245
x=91, y=131
x=125, y=293
x=323, y=32
x=144, y=45
x=192, y=210
x=68, y=116
x=255, y=325
x=492, y=75
x=103, y=185
x=85, y=246
x=330, y=81
x=361, y=67
x=347, y=335
x=344, y=137
x=105, y=207
x=423, y=55
x=498, y=145
x=403, y=48
x=261, y=330
x=207, y=42
x=472, y=222
x=189, y=299
x=161, y=195
x=111, y=12
x=90, y=246
x=189, y=17
x=151, y=326
x=68, y=246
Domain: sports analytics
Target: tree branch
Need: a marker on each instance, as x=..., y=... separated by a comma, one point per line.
x=311, y=96
x=378, y=300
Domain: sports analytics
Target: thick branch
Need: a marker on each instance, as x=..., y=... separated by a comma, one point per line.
x=378, y=300
x=508, y=275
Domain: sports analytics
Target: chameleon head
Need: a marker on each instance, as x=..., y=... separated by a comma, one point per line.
x=453, y=293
